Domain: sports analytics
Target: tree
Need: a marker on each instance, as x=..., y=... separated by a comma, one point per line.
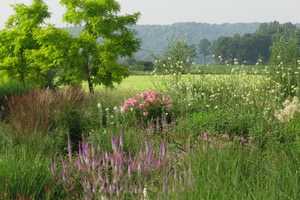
x=178, y=51
x=204, y=48
x=221, y=49
x=177, y=59
x=105, y=37
x=18, y=39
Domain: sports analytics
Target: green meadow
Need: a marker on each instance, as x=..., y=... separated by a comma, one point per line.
x=223, y=136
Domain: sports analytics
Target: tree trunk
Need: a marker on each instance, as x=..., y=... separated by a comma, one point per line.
x=88, y=77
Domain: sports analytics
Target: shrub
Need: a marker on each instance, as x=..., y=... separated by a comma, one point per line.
x=290, y=108
x=75, y=124
x=223, y=121
x=285, y=59
x=7, y=89
x=148, y=105
x=38, y=112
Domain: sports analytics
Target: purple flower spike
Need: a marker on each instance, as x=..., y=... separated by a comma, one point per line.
x=147, y=145
x=114, y=143
x=93, y=149
x=99, y=147
x=53, y=166
x=69, y=148
x=120, y=138
x=163, y=148
x=129, y=170
x=110, y=175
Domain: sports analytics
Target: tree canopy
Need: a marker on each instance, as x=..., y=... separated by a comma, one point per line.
x=104, y=38
x=19, y=39
x=41, y=53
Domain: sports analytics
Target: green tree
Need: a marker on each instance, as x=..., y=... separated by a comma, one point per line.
x=178, y=56
x=18, y=39
x=221, y=49
x=204, y=48
x=105, y=37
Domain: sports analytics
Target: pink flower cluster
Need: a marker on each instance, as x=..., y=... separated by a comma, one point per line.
x=148, y=99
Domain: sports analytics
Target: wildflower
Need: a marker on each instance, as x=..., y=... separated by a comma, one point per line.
x=122, y=110
x=145, y=193
x=290, y=108
x=226, y=136
x=145, y=113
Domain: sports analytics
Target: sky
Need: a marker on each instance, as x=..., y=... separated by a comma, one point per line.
x=172, y=11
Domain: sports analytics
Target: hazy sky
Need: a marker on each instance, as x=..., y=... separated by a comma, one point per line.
x=171, y=11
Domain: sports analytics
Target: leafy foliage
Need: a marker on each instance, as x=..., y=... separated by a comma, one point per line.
x=104, y=38
x=18, y=39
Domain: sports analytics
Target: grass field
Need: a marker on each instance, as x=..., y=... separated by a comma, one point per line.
x=147, y=82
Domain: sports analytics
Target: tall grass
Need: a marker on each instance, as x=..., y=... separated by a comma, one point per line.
x=24, y=173
x=7, y=89
x=234, y=172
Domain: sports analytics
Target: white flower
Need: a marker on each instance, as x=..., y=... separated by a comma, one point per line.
x=99, y=105
x=145, y=193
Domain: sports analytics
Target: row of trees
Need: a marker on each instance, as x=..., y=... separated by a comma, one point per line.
x=36, y=52
x=250, y=48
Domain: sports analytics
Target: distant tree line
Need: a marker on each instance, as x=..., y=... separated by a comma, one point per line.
x=248, y=49
x=251, y=48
